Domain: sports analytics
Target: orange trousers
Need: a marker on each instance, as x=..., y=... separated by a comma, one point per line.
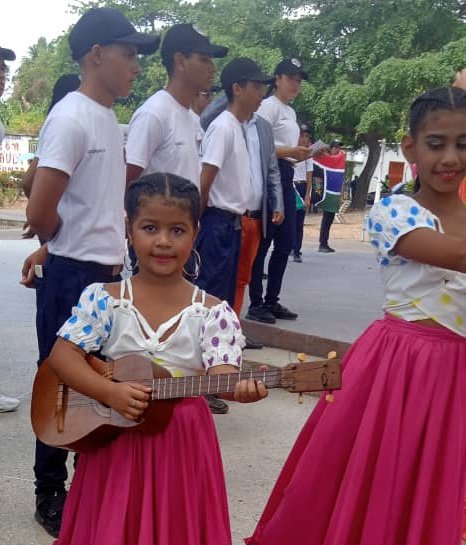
x=250, y=239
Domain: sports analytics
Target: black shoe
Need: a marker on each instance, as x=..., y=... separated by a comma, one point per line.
x=297, y=258
x=326, y=249
x=260, y=314
x=217, y=406
x=49, y=511
x=253, y=345
x=280, y=312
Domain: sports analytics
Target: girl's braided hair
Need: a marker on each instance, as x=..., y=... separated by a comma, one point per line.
x=167, y=186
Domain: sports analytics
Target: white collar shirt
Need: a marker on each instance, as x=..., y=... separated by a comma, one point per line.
x=254, y=152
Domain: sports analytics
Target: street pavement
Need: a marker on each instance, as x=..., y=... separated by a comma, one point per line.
x=336, y=295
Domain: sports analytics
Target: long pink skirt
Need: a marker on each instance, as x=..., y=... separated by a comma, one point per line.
x=384, y=464
x=164, y=489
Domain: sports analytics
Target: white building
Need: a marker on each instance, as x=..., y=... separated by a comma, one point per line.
x=391, y=161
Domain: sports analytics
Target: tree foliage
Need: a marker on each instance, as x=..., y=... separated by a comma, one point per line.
x=367, y=58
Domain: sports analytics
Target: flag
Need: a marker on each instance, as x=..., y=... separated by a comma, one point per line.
x=331, y=169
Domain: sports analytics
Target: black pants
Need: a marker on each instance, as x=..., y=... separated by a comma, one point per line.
x=325, y=224
x=219, y=245
x=300, y=215
x=283, y=240
x=56, y=293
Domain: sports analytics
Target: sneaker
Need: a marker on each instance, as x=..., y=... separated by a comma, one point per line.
x=49, y=511
x=260, y=314
x=8, y=404
x=297, y=258
x=326, y=249
x=216, y=405
x=253, y=345
x=280, y=312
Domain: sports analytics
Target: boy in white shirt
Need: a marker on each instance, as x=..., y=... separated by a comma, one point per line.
x=76, y=202
x=162, y=134
x=226, y=191
x=7, y=404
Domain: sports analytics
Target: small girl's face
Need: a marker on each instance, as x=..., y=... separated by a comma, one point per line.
x=162, y=235
x=439, y=150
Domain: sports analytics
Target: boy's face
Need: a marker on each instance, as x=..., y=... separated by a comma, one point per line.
x=119, y=68
x=251, y=95
x=198, y=69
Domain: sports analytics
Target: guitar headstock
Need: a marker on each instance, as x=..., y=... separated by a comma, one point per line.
x=312, y=376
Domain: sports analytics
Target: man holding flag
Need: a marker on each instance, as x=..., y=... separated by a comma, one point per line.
x=329, y=167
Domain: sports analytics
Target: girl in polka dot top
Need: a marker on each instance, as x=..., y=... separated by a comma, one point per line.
x=166, y=488
x=394, y=439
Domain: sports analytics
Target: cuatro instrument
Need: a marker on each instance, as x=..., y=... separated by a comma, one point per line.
x=62, y=417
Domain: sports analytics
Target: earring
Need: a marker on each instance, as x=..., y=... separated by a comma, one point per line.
x=194, y=262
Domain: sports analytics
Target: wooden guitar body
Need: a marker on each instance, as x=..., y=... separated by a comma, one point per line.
x=66, y=419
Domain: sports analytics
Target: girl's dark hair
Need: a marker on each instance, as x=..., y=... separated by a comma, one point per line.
x=167, y=186
x=444, y=98
x=64, y=85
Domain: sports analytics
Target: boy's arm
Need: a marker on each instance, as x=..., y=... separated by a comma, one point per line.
x=41, y=211
x=208, y=174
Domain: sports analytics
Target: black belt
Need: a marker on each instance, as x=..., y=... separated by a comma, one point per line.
x=110, y=270
x=222, y=212
x=253, y=214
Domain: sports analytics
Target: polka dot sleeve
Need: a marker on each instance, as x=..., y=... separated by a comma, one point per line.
x=91, y=320
x=221, y=337
x=390, y=219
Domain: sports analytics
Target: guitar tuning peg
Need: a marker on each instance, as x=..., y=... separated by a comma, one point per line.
x=331, y=355
x=300, y=398
x=301, y=357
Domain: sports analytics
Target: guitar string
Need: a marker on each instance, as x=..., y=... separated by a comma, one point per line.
x=223, y=380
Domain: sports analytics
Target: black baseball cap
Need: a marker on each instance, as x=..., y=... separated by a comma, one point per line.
x=106, y=26
x=335, y=144
x=304, y=128
x=185, y=38
x=243, y=69
x=291, y=67
x=7, y=54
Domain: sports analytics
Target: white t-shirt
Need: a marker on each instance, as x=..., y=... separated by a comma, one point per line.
x=224, y=146
x=81, y=138
x=283, y=120
x=162, y=138
x=2, y=132
x=301, y=169
x=199, y=130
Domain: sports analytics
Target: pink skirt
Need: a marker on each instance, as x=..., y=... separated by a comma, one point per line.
x=384, y=464
x=164, y=489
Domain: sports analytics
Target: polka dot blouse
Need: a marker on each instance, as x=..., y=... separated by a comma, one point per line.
x=412, y=290
x=202, y=338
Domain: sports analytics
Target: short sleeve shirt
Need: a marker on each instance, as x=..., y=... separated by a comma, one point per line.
x=282, y=117
x=81, y=138
x=414, y=291
x=224, y=146
x=162, y=138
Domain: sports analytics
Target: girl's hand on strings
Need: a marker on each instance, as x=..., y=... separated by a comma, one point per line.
x=130, y=399
x=250, y=390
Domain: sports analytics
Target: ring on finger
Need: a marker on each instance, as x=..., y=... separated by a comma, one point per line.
x=135, y=403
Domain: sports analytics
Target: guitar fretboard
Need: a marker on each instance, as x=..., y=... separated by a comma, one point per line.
x=198, y=385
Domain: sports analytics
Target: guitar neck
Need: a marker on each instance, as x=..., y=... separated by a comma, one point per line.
x=198, y=385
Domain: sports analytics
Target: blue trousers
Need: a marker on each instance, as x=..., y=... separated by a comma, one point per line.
x=283, y=237
x=56, y=293
x=219, y=245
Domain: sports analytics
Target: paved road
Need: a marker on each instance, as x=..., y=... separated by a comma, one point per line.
x=336, y=295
